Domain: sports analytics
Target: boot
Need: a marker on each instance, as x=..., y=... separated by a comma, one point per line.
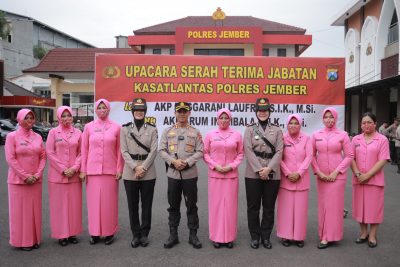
x=194, y=240
x=173, y=237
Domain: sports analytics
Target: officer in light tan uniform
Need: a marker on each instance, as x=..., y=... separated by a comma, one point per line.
x=263, y=146
x=181, y=147
x=139, y=141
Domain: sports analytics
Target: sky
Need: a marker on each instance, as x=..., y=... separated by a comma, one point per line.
x=98, y=21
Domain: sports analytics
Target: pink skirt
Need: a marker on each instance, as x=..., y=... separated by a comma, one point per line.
x=292, y=214
x=223, y=209
x=102, y=204
x=25, y=214
x=65, y=202
x=368, y=203
x=330, y=209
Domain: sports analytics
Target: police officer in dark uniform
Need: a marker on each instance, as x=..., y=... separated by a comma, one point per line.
x=263, y=146
x=139, y=143
x=181, y=147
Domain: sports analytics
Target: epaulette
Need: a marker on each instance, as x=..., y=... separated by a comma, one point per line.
x=126, y=124
x=277, y=125
x=151, y=124
x=251, y=124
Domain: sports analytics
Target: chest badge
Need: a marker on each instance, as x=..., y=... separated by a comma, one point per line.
x=171, y=147
x=256, y=137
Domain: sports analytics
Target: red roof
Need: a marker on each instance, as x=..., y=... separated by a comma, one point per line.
x=73, y=59
x=269, y=27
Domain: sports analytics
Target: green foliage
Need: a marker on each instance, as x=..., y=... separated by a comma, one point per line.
x=4, y=27
x=39, y=52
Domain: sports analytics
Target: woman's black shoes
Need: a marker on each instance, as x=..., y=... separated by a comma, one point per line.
x=229, y=245
x=73, y=240
x=135, y=242
x=323, y=245
x=285, y=242
x=372, y=244
x=108, y=240
x=300, y=244
x=63, y=242
x=94, y=239
x=361, y=240
x=254, y=243
x=216, y=245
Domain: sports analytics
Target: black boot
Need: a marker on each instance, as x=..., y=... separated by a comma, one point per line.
x=194, y=240
x=173, y=237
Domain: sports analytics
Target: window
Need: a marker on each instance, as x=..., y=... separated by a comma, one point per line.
x=265, y=52
x=281, y=52
x=157, y=51
x=219, y=52
x=9, y=38
x=172, y=51
x=393, y=34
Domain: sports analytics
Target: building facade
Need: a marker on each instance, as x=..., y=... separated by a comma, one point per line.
x=72, y=70
x=372, y=60
x=27, y=40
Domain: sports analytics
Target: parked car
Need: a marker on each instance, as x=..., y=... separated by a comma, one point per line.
x=41, y=130
x=6, y=126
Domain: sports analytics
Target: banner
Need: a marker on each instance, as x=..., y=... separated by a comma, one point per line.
x=293, y=85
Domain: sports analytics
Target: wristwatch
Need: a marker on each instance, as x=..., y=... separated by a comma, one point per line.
x=357, y=174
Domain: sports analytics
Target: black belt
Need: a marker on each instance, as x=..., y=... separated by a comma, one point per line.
x=138, y=156
x=264, y=155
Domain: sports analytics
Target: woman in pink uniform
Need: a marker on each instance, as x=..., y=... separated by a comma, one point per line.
x=26, y=157
x=333, y=154
x=371, y=152
x=295, y=184
x=102, y=168
x=223, y=152
x=63, y=148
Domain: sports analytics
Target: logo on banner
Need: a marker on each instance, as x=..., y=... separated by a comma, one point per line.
x=332, y=73
x=111, y=72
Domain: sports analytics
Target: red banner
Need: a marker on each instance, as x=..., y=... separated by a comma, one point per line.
x=166, y=78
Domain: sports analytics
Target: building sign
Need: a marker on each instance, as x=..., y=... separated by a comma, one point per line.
x=218, y=34
x=294, y=85
x=19, y=101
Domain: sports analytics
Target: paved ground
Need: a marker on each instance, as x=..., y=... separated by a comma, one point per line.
x=345, y=253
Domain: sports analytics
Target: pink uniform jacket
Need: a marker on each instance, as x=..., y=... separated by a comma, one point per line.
x=63, y=151
x=219, y=150
x=328, y=147
x=367, y=155
x=297, y=156
x=26, y=156
x=100, y=148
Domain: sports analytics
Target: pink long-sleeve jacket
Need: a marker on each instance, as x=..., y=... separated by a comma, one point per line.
x=223, y=149
x=332, y=150
x=100, y=148
x=63, y=150
x=297, y=156
x=25, y=153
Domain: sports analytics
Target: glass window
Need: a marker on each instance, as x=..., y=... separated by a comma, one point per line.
x=172, y=51
x=265, y=52
x=157, y=51
x=219, y=52
x=393, y=34
x=281, y=52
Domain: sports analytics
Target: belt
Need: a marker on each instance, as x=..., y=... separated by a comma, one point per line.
x=138, y=156
x=264, y=155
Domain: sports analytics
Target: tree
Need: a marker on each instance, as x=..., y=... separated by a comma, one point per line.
x=4, y=26
x=39, y=51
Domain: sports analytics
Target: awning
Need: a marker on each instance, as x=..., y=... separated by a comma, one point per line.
x=376, y=85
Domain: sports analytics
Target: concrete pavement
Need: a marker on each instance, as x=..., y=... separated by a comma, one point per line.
x=345, y=253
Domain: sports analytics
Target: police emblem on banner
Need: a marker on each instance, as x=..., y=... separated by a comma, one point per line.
x=111, y=72
x=332, y=73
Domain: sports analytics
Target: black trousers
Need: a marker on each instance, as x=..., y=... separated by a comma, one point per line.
x=188, y=188
x=259, y=191
x=144, y=189
x=393, y=154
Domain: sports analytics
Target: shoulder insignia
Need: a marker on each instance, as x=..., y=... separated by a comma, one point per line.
x=126, y=124
x=151, y=124
x=251, y=124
